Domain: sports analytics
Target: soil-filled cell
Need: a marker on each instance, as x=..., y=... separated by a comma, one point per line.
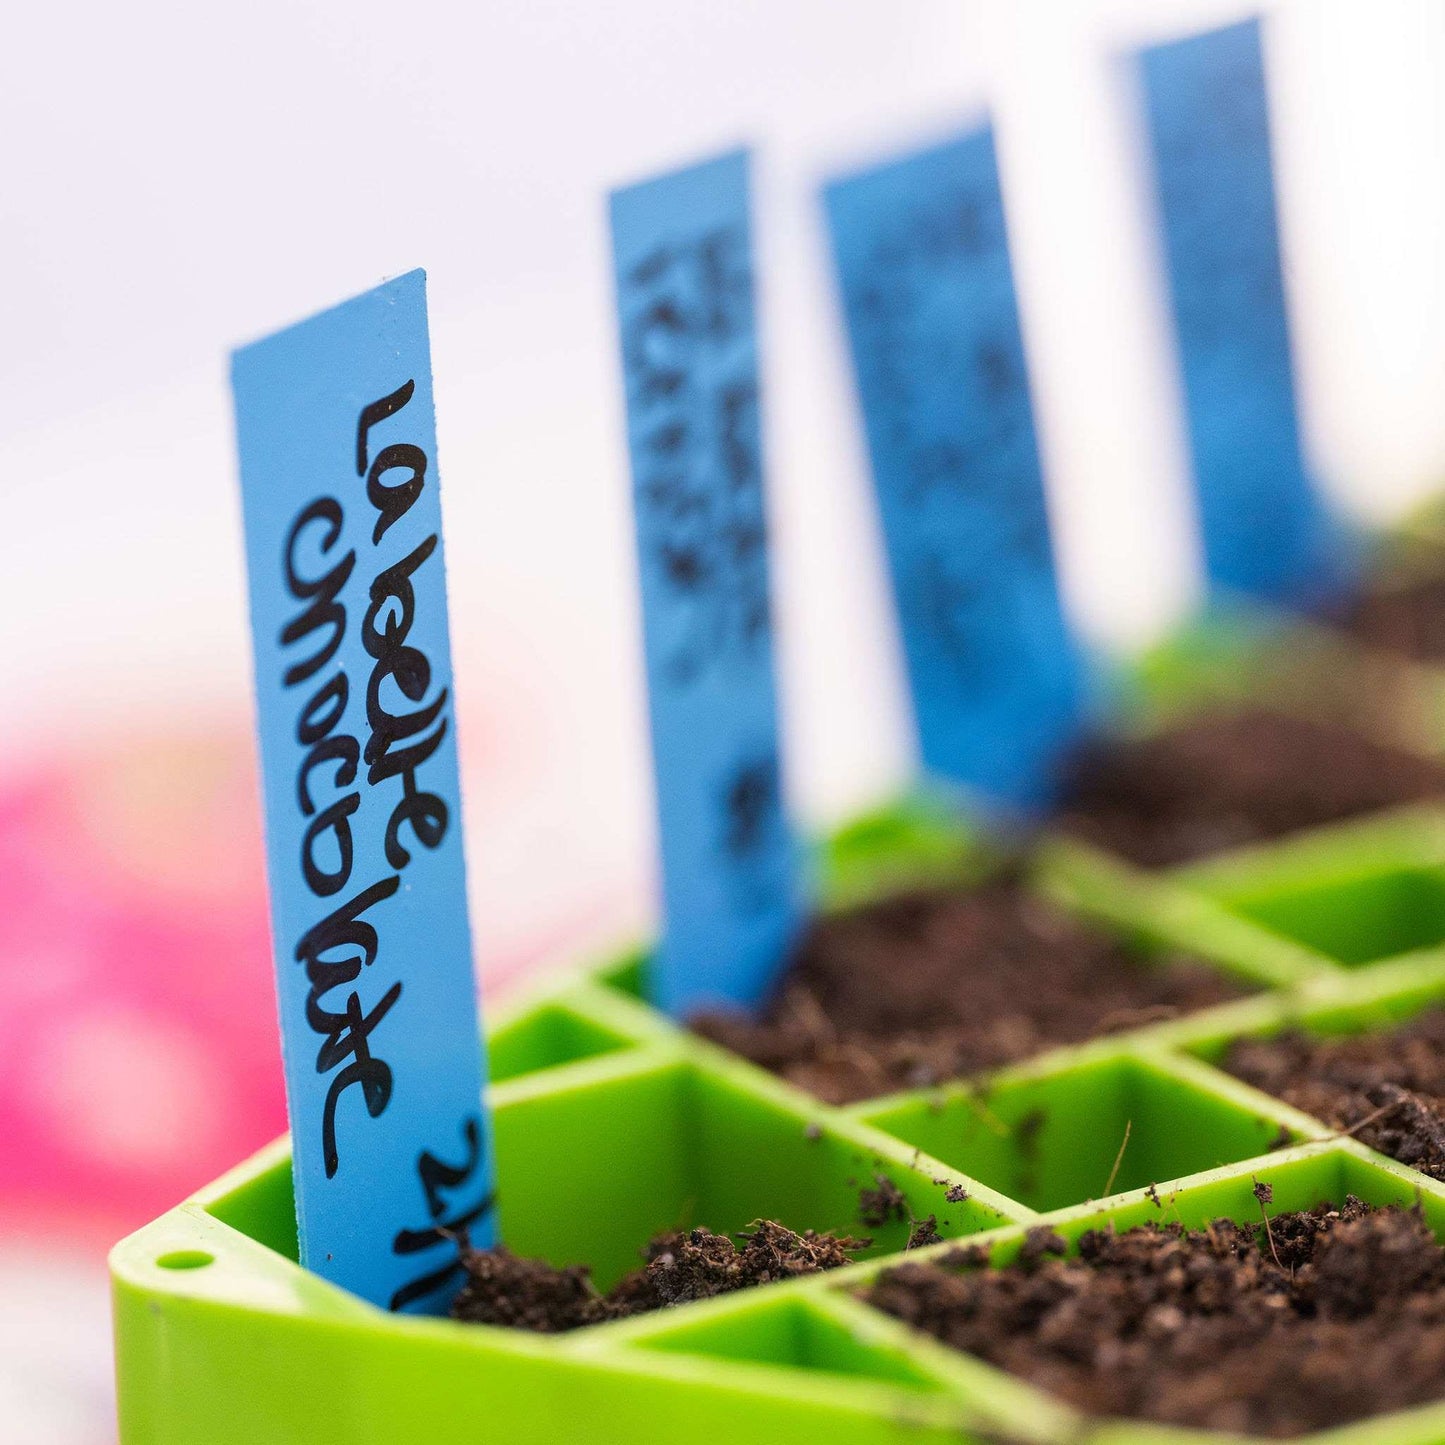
x=1237, y=1307
x=1377, y=1080
x=1219, y=781
x=943, y=983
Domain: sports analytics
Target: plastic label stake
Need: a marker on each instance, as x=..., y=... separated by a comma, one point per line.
x=730, y=864
x=391, y=1145
x=1266, y=531
x=922, y=259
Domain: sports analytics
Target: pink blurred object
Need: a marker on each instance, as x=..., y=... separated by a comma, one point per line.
x=139, y=1048
x=138, y=1043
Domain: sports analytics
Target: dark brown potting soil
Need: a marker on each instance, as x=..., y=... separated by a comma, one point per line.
x=945, y=983
x=530, y=1294
x=1334, y=1315
x=1386, y=1089
x=1224, y=780
x=1407, y=619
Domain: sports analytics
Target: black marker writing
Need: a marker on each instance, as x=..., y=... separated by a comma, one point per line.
x=442, y=1185
x=691, y=377
x=337, y=949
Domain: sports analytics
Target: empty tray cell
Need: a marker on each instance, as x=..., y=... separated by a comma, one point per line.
x=1347, y=896
x=256, y=1200
x=627, y=974
x=1355, y=920
x=546, y=1036
x=1170, y=914
x=791, y=1331
x=1095, y=1128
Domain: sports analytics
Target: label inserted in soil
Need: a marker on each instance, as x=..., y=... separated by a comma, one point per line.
x=390, y=1144
x=732, y=899
x=921, y=252
x=1266, y=530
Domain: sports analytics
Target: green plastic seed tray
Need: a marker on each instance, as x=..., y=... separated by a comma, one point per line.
x=612, y=1124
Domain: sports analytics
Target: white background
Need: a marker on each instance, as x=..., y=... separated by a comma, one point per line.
x=176, y=178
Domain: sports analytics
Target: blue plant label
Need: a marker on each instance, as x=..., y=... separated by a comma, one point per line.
x=921, y=253
x=730, y=863
x=390, y=1141
x=1266, y=530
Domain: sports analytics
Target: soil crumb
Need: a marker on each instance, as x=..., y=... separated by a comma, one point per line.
x=1204, y=1328
x=1385, y=1089
x=923, y=1233
x=1407, y=619
x=880, y=1206
x=1230, y=779
x=941, y=984
x=530, y=1294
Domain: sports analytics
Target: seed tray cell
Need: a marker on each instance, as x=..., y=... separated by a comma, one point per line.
x=1075, y=1131
x=1352, y=894
x=549, y=1036
x=1344, y=898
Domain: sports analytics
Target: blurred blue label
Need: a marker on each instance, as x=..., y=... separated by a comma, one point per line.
x=730, y=864
x=1266, y=530
x=379, y=1027
x=922, y=258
